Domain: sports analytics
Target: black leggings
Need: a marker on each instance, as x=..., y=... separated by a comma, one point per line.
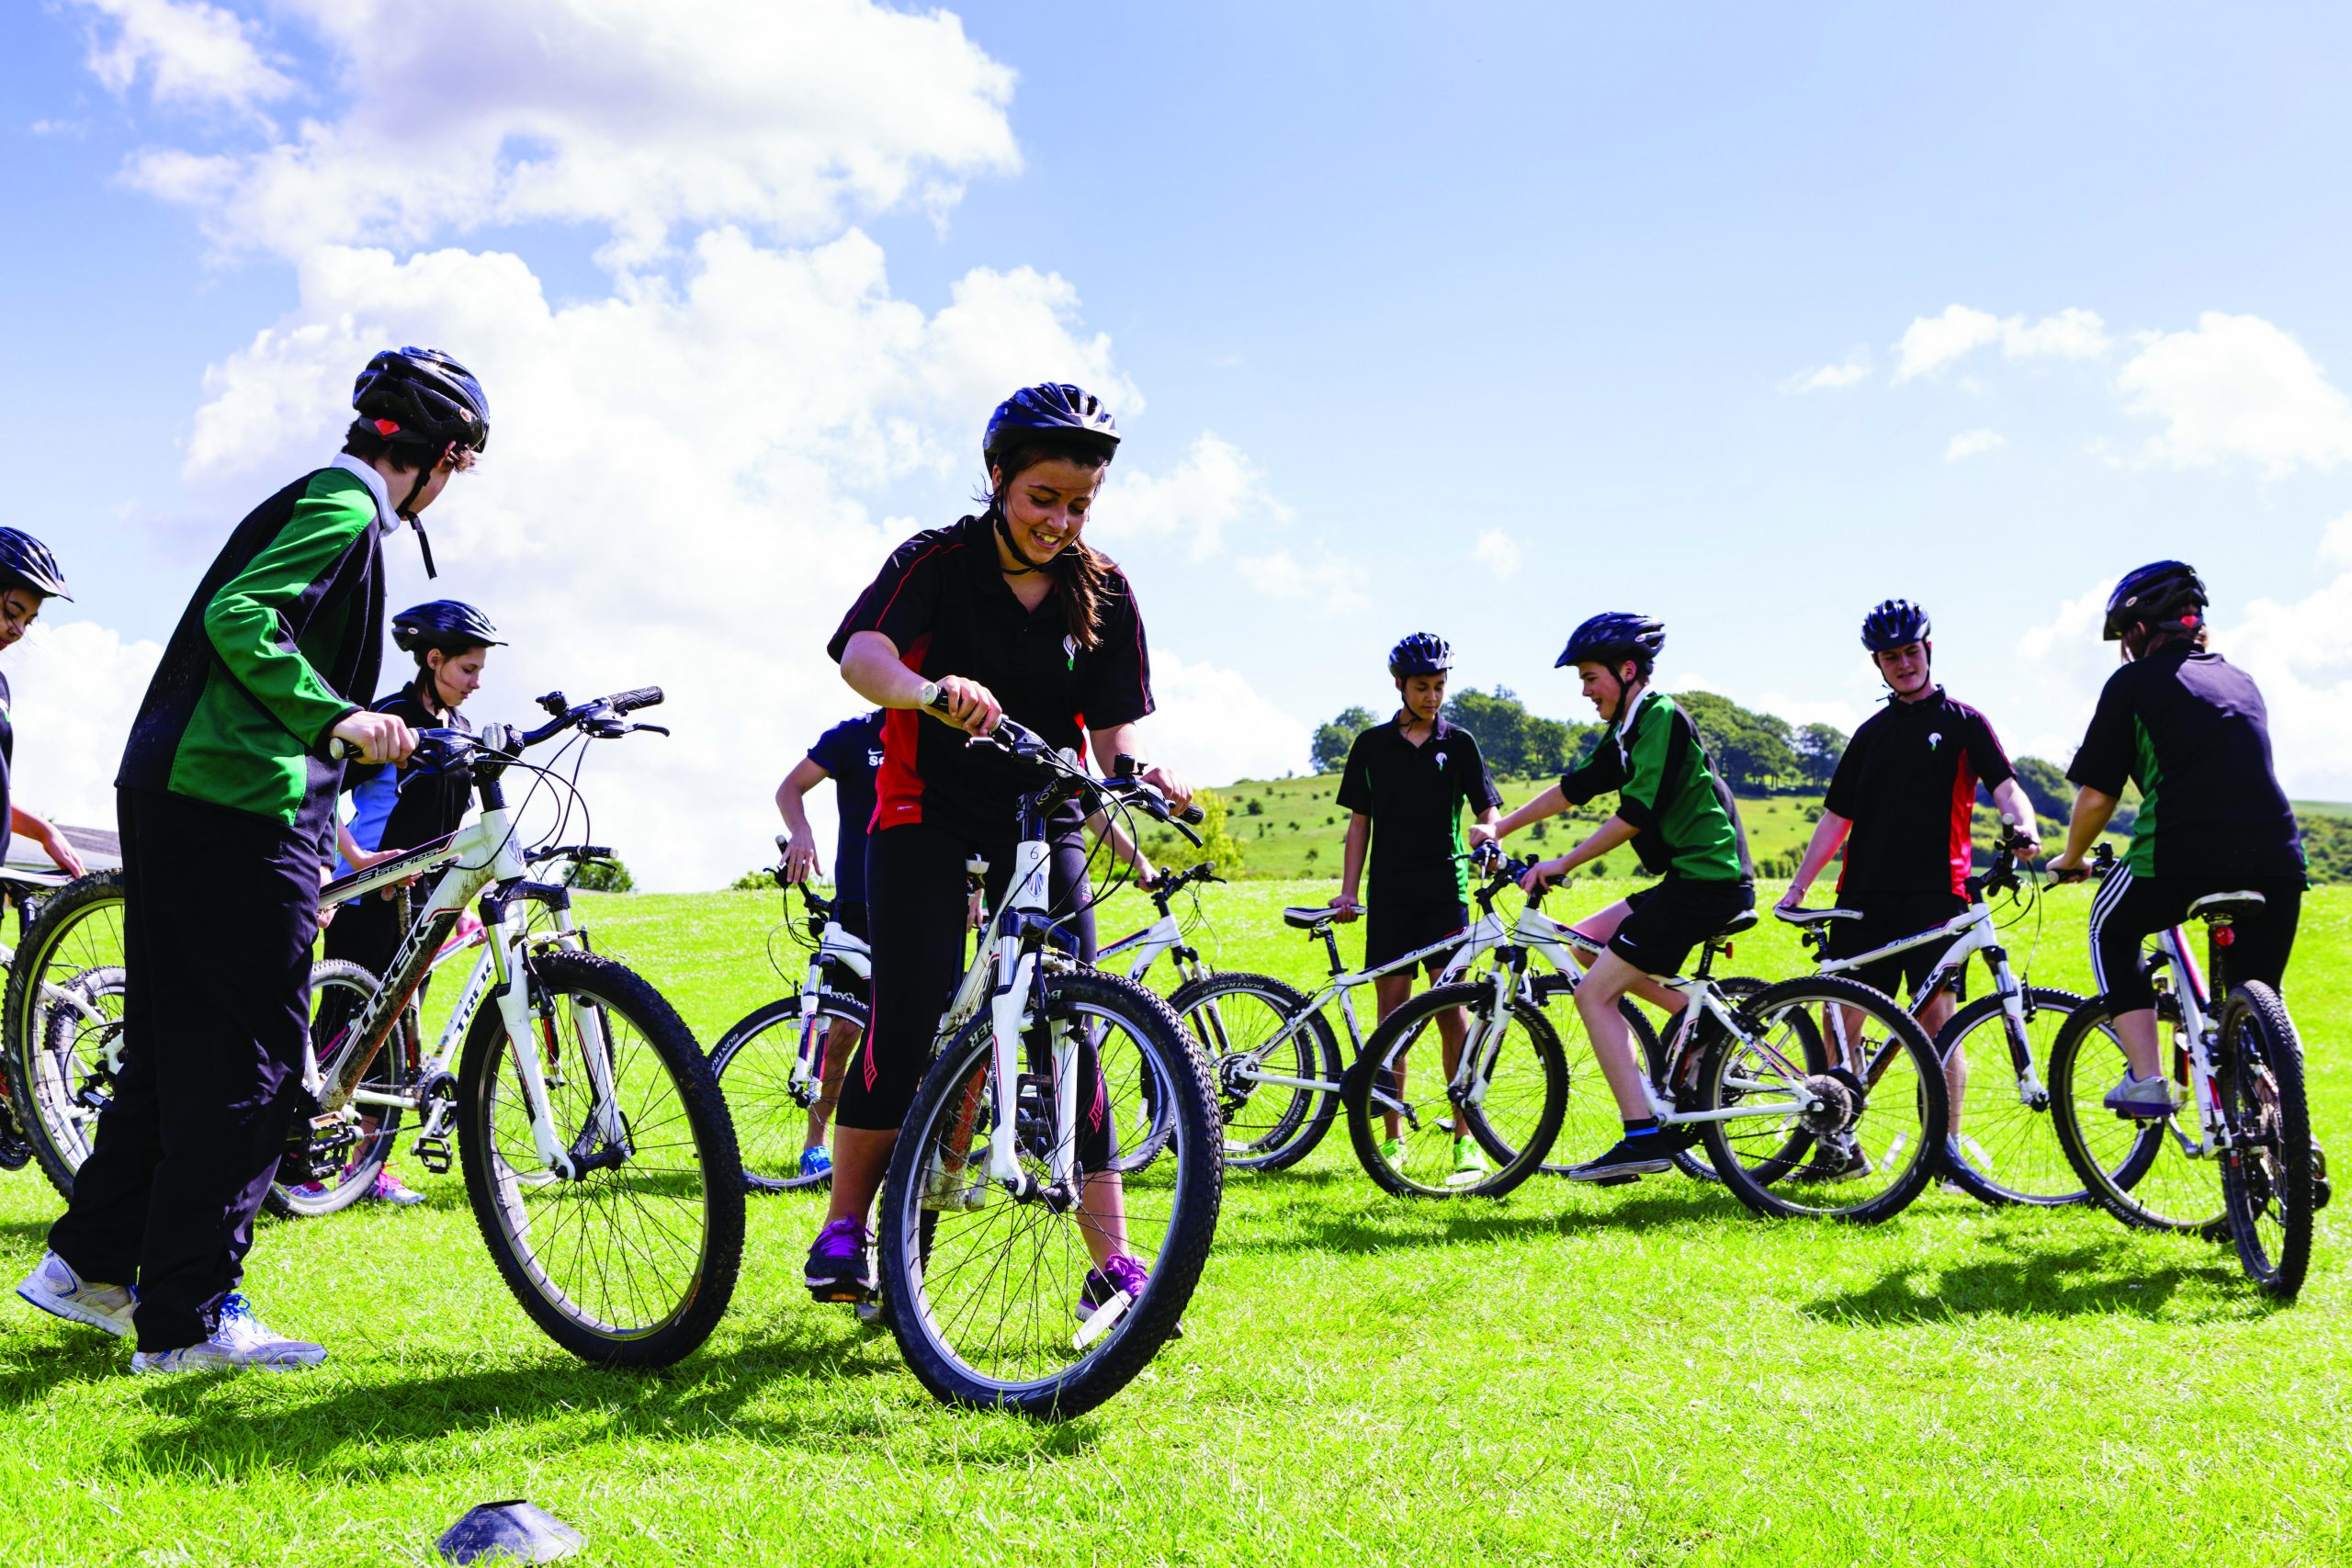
x=916, y=902
x=2130, y=909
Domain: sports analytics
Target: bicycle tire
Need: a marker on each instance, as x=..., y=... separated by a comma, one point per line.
x=2267, y=1177
x=2004, y=1152
x=369, y=1156
x=1690, y=1155
x=1896, y=1160
x=770, y=1119
x=506, y=1181
x=1591, y=1121
x=2134, y=1169
x=57, y=1071
x=1043, y=1371
x=1297, y=1119
x=1535, y=1097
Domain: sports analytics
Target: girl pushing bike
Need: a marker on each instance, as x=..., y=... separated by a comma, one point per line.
x=1007, y=615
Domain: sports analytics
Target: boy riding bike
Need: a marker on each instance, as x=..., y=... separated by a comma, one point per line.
x=1414, y=775
x=850, y=753
x=2190, y=730
x=29, y=578
x=1678, y=813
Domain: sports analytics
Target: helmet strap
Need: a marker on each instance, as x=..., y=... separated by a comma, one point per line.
x=407, y=508
x=1004, y=531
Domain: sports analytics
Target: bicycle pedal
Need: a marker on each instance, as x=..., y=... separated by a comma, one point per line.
x=433, y=1154
x=1615, y=1181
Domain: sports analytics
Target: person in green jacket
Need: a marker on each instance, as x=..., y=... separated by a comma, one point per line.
x=225, y=802
x=1679, y=815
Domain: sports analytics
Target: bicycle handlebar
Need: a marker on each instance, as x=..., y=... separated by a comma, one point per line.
x=1017, y=740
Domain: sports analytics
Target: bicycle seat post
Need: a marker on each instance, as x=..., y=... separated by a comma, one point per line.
x=2220, y=937
x=1331, y=947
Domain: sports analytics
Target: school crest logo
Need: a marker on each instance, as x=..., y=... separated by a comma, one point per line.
x=1934, y=739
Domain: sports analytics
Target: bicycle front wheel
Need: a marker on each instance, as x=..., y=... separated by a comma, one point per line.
x=1841, y=1100
x=2137, y=1171
x=2003, y=1145
x=631, y=1260
x=62, y=1022
x=2267, y=1176
x=1589, y=1121
x=1269, y=1125
x=1400, y=1096
x=756, y=1063
x=340, y=992
x=995, y=1294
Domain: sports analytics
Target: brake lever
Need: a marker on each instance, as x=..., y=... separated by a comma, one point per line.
x=650, y=729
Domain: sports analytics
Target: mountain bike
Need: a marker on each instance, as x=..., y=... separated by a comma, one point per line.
x=1816, y=1098
x=597, y=1152
x=1004, y=1190
x=1164, y=935
x=2001, y=1147
x=23, y=891
x=771, y=1062
x=61, y=1022
x=2237, y=1073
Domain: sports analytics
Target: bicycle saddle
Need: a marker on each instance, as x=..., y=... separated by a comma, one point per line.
x=1310, y=917
x=1810, y=917
x=1744, y=920
x=2226, y=906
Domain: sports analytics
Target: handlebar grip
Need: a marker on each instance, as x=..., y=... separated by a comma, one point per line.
x=1192, y=816
x=340, y=750
x=932, y=697
x=630, y=702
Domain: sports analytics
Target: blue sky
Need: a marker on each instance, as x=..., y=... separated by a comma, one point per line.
x=1472, y=320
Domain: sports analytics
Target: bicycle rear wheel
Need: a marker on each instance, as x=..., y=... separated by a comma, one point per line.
x=62, y=1022
x=1268, y=1126
x=2266, y=1178
x=1851, y=1116
x=2135, y=1170
x=982, y=1285
x=753, y=1064
x=2004, y=1148
x=340, y=991
x=1513, y=1114
x=632, y=1260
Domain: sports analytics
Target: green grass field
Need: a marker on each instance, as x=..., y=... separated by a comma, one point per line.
x=1637, y=1376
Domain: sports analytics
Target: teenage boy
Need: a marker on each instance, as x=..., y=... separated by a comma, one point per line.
x=850, y=754
x=1678, y=816
x=1414, y=775
x=225, y=802
x=2190, y=730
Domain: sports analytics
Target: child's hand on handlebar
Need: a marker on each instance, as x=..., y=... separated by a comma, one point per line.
x=2069, y=868
x=800, y=863
x=1178, y=794
x=378, y=738
x=1542, y=874
x=966, y=703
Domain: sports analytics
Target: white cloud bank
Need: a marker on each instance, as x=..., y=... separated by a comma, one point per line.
x=1974, y=443
x=1930, y=343
x=2237, y=388
x=681, y=484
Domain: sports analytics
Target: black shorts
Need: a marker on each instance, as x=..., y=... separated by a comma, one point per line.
x=1670, y=919
x=2129, y=910
x=1890, y=917
x=1395, y=927
x=850, y=915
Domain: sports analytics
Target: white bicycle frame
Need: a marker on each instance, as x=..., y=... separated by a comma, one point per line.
x=479, y=855
x=838, y=945
x=1143, y=949
x=2197, y=1033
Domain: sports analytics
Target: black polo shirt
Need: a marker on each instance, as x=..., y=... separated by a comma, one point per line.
x=850, y=754
x=942, y=600
x=1907, y=782
x=1414, y=795
x=2190, y=730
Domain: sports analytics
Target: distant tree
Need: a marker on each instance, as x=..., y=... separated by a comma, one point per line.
x=1498, y=720
x=1751, y=751
x=2046, y=786
x=1166, y=846
x=604, y=876
x=1331, y=741
x=1818, y=747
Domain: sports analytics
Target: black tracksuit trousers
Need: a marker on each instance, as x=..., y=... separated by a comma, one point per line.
x=221, y=908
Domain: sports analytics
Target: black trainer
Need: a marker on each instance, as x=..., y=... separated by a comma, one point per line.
x=1631, y=1157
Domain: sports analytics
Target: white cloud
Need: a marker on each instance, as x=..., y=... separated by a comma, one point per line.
x=1930, y=343
x=2300, y=653
x=75, y=685
x=2056, y=673
x=1214, y=726
x=633, y=115
x=2237, y=388
x=1215, y=485
x=1331, y=583
x=1969, y=442
x=73, y=128
x=1854, y=367
x=190, y=52
x=2335, y=544
x=1497, y=552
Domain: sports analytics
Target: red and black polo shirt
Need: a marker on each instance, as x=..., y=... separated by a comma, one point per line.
x=942, y=599
x=1907, y=783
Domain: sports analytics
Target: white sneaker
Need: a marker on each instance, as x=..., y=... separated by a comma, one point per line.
x=240, y=1340
x=57, y=1291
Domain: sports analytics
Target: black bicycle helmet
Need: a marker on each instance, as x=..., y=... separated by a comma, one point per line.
x=1896, y=623
x=2166, y=594
x=1613, y=636
x=450, y=624
x=1423, y=653
x=421, y=398
x=1051, y=408
x=26, y=559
